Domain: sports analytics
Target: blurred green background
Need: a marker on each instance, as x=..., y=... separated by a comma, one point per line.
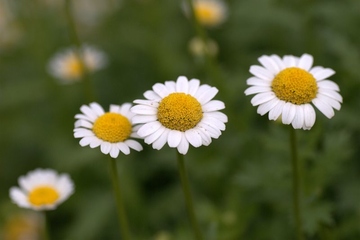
x=241, y=183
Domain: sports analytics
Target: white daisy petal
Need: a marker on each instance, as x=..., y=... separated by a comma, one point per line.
x=331, y=101
x=114, y=108
x=323, y=74
x=309, y=115
x=154, y=136
x=276, y=111
x=325, y=108
x=278, y=61
x=330, y=93
x=205, y=136
x=148, y=102
x=289, y=61
x=83, y=123
x=86, y=141
x=193, y=86
x=144, y=110
x=148, y=128
x=299, y=120
x=171, y=86
x=161, y=90
x=218, y=115
x=193, y=137
x=183, y=146
x=201, y=90
x=262, y=98
x=213, y=105
x=182, y=84
x=134, y=145
x=83, y=117
x=143, y=118
x=266, y=107
x=83, y=133
x=257, y=89
x=214, y=122
x=95, y=143
x=151, y=95
x=174, y=138
x=327, y=84
x=97, y=109
x=88, y=112
x=306, y=62
x=125, y=109
x=208, y=95
x=123, y=148
x=288, y=113
x=161, y=141
x=258, y=82
x=269, y=64
x=114, y=152
x=315, y=70
x=105, y=147
x=261, y=73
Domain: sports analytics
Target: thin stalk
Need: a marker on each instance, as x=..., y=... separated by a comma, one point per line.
x=45, y=228
x=75, y=39
x=211, y=63
x=296, y=184
x=124, y=226
x=188, y=198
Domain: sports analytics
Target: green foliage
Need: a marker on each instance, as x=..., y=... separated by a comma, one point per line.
x=242, y=182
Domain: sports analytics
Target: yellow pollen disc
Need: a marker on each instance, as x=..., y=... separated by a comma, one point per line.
x=74, y=68
x=207, y=13
x=112, y=127
x=295, y=85
x=179, y=111
x=43, y=195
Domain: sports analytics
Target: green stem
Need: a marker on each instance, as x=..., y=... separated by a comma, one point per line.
x=296, y=184
x=75, y=39
x=211, y=63
x=45, y=230
x=187, y=194
x=124, y=226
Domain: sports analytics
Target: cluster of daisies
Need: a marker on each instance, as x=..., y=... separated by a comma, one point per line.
x=179, y=113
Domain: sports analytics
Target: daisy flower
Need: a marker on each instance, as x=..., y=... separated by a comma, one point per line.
x=210, y=13
x=42, y=189
x=287, y=86
x=200, y=48
x=109, y=130
x=179, y=113
x=67, y=66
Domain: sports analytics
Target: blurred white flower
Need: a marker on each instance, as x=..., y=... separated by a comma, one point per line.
x=42, y=189
x=210, y=13
x=68, y=67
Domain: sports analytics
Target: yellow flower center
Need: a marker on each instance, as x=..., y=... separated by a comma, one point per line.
x=43, y=195
x=179, y=111
x=112, y=127
x=207, y=13
x=295, y=85
x=75, y=68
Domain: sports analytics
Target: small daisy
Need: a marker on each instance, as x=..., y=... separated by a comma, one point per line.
x=179, y=113
x=67, y=67
x=111, y=130
x=286, y=87
x=42, y=189
x=210, y=13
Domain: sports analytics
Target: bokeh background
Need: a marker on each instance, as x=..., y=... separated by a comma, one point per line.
x=241, y=183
